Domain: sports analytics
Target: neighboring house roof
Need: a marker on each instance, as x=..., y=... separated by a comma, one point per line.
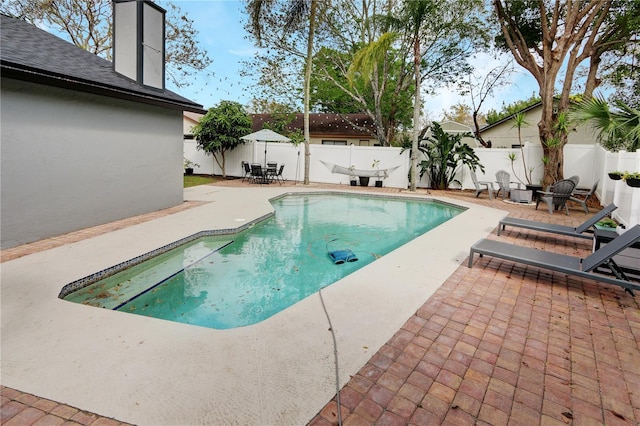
x=336, y=125
x=509, y=117
x=454, y=127
x=30, y=54
x=193, y=117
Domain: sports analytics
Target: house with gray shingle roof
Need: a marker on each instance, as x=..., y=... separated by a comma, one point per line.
x=81, y=144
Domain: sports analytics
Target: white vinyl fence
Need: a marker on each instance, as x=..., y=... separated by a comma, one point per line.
x=590, y=162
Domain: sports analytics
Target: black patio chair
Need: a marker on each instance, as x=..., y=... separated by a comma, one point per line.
x=557, y=195
x=257, y=175
x=278, y=176
x=246, y=173
x=271, y=172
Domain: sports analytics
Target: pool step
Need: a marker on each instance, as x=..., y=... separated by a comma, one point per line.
x=118, y=289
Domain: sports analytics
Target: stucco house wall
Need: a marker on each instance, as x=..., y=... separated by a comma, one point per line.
x=82, y=145
x=72, y=160
x=503, y=135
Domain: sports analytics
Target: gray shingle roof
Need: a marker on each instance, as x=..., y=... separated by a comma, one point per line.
x=31, y=54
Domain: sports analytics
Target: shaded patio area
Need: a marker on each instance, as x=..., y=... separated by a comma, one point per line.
x=496, y=344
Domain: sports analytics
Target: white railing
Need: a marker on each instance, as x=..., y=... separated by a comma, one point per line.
x=590, y=162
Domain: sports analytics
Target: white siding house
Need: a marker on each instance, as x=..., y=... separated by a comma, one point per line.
x=81, y=144
x=503, y=134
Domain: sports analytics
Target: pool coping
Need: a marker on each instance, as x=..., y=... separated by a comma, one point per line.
x=112, y=270
x=155, y=372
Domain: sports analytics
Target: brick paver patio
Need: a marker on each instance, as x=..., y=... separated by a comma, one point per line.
x=497, y=344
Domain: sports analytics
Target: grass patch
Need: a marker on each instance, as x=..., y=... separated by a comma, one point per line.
x=195, y=180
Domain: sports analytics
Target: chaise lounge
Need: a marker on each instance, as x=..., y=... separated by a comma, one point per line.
x=578, y=231
x=563, y=263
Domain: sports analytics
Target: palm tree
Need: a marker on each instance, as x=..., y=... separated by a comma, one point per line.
x=415, y=12
x=618, y=128
x=297, y=12
x=519, y=121
x=365, y=61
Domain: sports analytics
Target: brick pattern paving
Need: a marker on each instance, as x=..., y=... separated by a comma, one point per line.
x=23, y=409
x=497, y=344
x=506, y=344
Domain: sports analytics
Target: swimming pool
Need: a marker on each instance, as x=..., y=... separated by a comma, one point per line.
x=233, y=280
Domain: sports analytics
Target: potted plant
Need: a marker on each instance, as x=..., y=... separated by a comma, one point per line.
x=379, y=178
x=632, y=179
x=352, y=176
x=188, y=166
x=606, y=224
x=615, y=175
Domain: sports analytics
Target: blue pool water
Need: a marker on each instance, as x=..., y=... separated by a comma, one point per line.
x=236, y=280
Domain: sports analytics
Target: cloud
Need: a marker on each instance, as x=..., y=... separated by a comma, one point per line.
x=244, y=52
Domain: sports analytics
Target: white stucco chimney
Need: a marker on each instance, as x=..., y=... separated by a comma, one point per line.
x=138, y=41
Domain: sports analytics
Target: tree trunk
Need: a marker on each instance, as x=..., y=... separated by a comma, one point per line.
x=416, y=115
x=476, y=133
x=307, y=90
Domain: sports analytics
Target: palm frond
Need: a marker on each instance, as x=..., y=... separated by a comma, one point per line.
x=365, y=59
x=596, y=113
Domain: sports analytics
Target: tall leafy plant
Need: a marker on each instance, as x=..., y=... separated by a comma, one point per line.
x=519, y=121
x=219, y=131
x=445, y=154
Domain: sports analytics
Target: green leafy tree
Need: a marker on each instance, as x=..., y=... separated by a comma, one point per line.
x=87, y=24
x=436, y=37
x=385, y=102
x=271, y=21
x=460, y=113
x=546, y=37
x=445, y=154
x=494, y=116
x=219, y=131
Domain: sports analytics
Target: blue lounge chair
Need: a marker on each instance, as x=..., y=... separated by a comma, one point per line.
x=566, y=264
x=578, y=231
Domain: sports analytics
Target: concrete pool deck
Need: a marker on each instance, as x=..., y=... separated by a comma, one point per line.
x=147, y=371
x=389, y=330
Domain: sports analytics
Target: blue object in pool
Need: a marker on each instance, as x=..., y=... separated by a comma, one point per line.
x=341, y=256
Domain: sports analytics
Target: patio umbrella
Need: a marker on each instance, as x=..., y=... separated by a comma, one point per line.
x=265, y=135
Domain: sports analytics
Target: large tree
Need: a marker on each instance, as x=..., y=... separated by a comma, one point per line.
x=87, y=24
x=386, y=101
x=363, y=66
x=436, y=37
x=272, y=22
x=220, y=130
x=426, y=23
x=547, y=37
